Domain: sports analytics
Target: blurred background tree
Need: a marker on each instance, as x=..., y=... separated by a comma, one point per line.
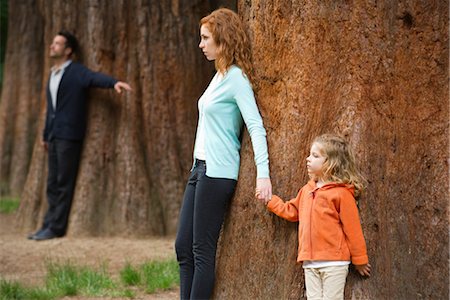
x=3, y=32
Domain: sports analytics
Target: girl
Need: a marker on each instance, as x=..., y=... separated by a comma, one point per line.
x=225, y=106
x=330, y=234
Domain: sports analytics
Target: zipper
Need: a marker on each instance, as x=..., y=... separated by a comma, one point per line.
x=313, y=195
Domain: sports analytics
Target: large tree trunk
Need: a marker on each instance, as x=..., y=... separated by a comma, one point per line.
x=377, y=72
x=21, y=94
x=138, y=147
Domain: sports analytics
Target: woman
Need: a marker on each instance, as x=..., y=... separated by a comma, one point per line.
x=225, y=105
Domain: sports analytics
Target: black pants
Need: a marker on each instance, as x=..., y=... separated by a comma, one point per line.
x=63, y=160
x=202, y=213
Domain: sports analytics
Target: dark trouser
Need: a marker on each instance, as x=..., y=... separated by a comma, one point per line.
x=202, y=213
x=63, y=160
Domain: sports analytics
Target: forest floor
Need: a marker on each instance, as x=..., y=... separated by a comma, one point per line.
x=24, y=260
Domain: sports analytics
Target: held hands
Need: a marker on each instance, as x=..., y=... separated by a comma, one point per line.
x=121, y=85
x=263, y=190
x=364, y=270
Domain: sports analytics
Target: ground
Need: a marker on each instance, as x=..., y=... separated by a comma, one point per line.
x=24, y=260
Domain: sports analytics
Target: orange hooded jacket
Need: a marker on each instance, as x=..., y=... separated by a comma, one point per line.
x=329, y=227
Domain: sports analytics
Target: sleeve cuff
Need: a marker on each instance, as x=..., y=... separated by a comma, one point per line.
x=262, y=171
x=360, y=260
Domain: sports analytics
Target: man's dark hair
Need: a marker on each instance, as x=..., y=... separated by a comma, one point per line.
x=71, y=41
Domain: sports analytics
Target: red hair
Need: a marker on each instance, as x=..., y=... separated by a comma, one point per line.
x=231, y=38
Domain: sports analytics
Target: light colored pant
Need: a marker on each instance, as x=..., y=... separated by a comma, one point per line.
x=325, y=283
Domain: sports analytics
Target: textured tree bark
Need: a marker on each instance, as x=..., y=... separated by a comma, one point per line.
x=377, y=72
x=138, y=147
x=20, y=98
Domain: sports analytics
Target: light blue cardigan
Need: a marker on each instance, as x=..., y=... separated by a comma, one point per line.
x=232, y=103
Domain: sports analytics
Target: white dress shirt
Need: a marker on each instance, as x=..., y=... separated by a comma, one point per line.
x=55, y=79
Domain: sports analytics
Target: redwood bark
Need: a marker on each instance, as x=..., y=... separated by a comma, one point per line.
x=138, y=146
x=20, y=95
x=377, y=72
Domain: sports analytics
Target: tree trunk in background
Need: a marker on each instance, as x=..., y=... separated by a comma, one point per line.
x=21, y=94
x=376, y=72
x=138, y=146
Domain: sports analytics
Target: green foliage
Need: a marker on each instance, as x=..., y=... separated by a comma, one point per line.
x=68, y=279
x=15, y=291
x=130, y=275
x=128, y=294
x=73, y=280
x=154, y=275
x=9, y=204
x=160, y=275
x=40, y=294
x=11, y=290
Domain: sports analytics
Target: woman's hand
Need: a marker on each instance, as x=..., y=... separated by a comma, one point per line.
x=263, y=189
x=364, y=270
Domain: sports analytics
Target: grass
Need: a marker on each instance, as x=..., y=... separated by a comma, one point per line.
x=72, y=280
x=10, y=290
x=153, y=276
x=160, y=275
x=9, y=204
x=67, y=279
x=130, y=275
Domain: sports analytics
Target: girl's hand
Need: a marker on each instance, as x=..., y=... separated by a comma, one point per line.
x=364, y=270
x=263, y=189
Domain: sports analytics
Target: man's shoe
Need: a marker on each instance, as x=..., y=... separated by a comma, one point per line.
x=32, y=235
x=47, y=234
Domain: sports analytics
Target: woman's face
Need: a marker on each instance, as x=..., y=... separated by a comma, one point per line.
x=207, y=43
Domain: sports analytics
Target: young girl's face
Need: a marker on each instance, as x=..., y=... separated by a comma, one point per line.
x=314, y=162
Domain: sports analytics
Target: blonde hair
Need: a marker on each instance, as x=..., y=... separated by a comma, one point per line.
x=340, y=165
x=231, y=38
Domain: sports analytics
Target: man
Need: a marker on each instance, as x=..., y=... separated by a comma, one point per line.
x=65, y=128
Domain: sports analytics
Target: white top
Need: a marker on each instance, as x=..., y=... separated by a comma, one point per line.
x=204, y=100
x=324, y=263
x=55, y=79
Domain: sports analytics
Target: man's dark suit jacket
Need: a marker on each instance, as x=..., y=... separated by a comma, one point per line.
x=68, y=120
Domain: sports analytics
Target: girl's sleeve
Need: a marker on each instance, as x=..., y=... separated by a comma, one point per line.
x=288, y=210
x=246, y=102
x=352, y=228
